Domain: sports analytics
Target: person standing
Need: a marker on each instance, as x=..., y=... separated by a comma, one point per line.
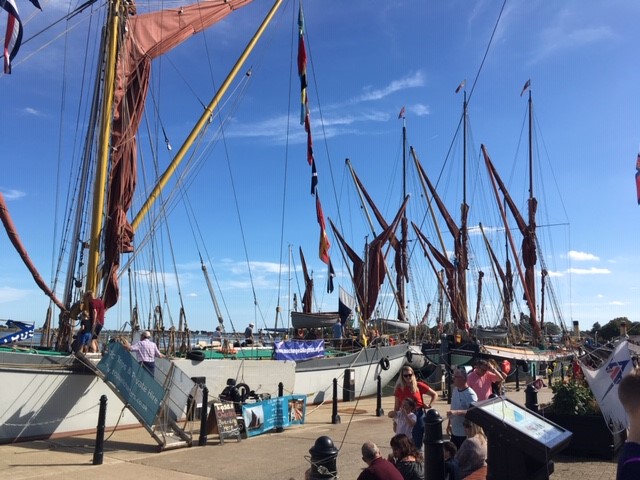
x=406, y=418
x=462, y=397
x=146, y=351
x=96, y=309
x=217, y=334
x=407, y=386
x=248, y=335
x=629, y=395
x=378, y=468
x=337, y=334
x=481, y=378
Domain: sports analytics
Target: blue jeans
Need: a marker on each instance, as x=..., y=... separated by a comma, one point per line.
x=418, y=429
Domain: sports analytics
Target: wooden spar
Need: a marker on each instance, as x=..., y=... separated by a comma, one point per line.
x=104, y=146
x=401, y=270
x=423, y=178
x=493, y=174
x=204, y=119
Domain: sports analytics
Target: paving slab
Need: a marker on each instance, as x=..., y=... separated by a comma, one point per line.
x=133, y=454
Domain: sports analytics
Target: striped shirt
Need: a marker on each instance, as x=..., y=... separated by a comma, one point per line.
x=146, y=350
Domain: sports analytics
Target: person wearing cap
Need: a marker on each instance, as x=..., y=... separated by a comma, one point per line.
x=146, y=351
x=248, y=335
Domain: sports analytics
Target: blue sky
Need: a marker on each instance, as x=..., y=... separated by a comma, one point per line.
x=366, y=60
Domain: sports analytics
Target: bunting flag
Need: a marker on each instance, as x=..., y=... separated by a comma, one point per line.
x=604, y=384
x=526, y=87
x=13, y=35
x=314, y=177
x=638, y=177
x=332, y=274
x=324, y=247
x=320, y=213
x=401, y=114
x=461, y=86
x=302, y=66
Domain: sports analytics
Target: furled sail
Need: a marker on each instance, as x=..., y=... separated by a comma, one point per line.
x=147, y=36
x=369, y=274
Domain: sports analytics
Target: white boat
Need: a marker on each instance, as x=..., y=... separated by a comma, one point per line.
x=51, y=393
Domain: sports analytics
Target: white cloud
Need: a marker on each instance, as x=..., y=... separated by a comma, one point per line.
x=582, y=256
x=420, y=110
x=413, y=80
x=9, y=294
x=590, y=271
x=566, y=33
x=12, y=194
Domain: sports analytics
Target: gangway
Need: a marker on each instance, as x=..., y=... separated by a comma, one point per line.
x=159, y=401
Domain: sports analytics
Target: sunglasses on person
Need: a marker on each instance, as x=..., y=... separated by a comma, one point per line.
x=407, y=375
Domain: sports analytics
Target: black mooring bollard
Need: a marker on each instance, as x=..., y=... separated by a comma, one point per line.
x=202, y=440
x=531, y=398
x=279, y=417
x=335, y=418
x=98, y=452
x=433, y=446
x=379, y=410
x=323, y=459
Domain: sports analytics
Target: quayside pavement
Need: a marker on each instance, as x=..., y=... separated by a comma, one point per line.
x=133, y=454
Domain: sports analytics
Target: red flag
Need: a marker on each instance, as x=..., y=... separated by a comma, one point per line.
x=526, y=87
x=319, y=213
x=401, y=114
x=302, y=66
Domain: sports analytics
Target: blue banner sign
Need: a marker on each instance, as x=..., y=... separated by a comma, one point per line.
x=135, y=384
x=299, y=349
x=266, y=415
x=24, y=333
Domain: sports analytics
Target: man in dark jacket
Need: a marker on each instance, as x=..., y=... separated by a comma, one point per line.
x=378, y=468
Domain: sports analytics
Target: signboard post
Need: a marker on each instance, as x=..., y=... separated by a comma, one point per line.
x=530, y=439
x=223, y=417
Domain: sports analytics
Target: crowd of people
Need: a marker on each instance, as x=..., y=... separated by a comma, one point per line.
x=466, y=449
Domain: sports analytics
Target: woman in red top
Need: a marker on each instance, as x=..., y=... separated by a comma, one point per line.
x=408, y=386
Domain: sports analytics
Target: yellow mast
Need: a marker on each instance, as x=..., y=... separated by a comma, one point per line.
x=103, y=153
x=204, y=119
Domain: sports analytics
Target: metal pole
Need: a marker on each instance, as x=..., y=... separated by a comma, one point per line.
x=202, y=440
x=335, y=418
x=279, y=428
x=379, y=410
x=98, y=452
x=433, y=446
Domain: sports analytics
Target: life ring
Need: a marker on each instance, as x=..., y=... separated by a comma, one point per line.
x=243, y=391
x=409, y=356
x=384, y=363
x=196, y=355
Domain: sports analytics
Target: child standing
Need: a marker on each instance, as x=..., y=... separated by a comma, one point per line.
x=405, y=417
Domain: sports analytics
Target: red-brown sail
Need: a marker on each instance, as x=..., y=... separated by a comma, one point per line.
x=147, y=37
